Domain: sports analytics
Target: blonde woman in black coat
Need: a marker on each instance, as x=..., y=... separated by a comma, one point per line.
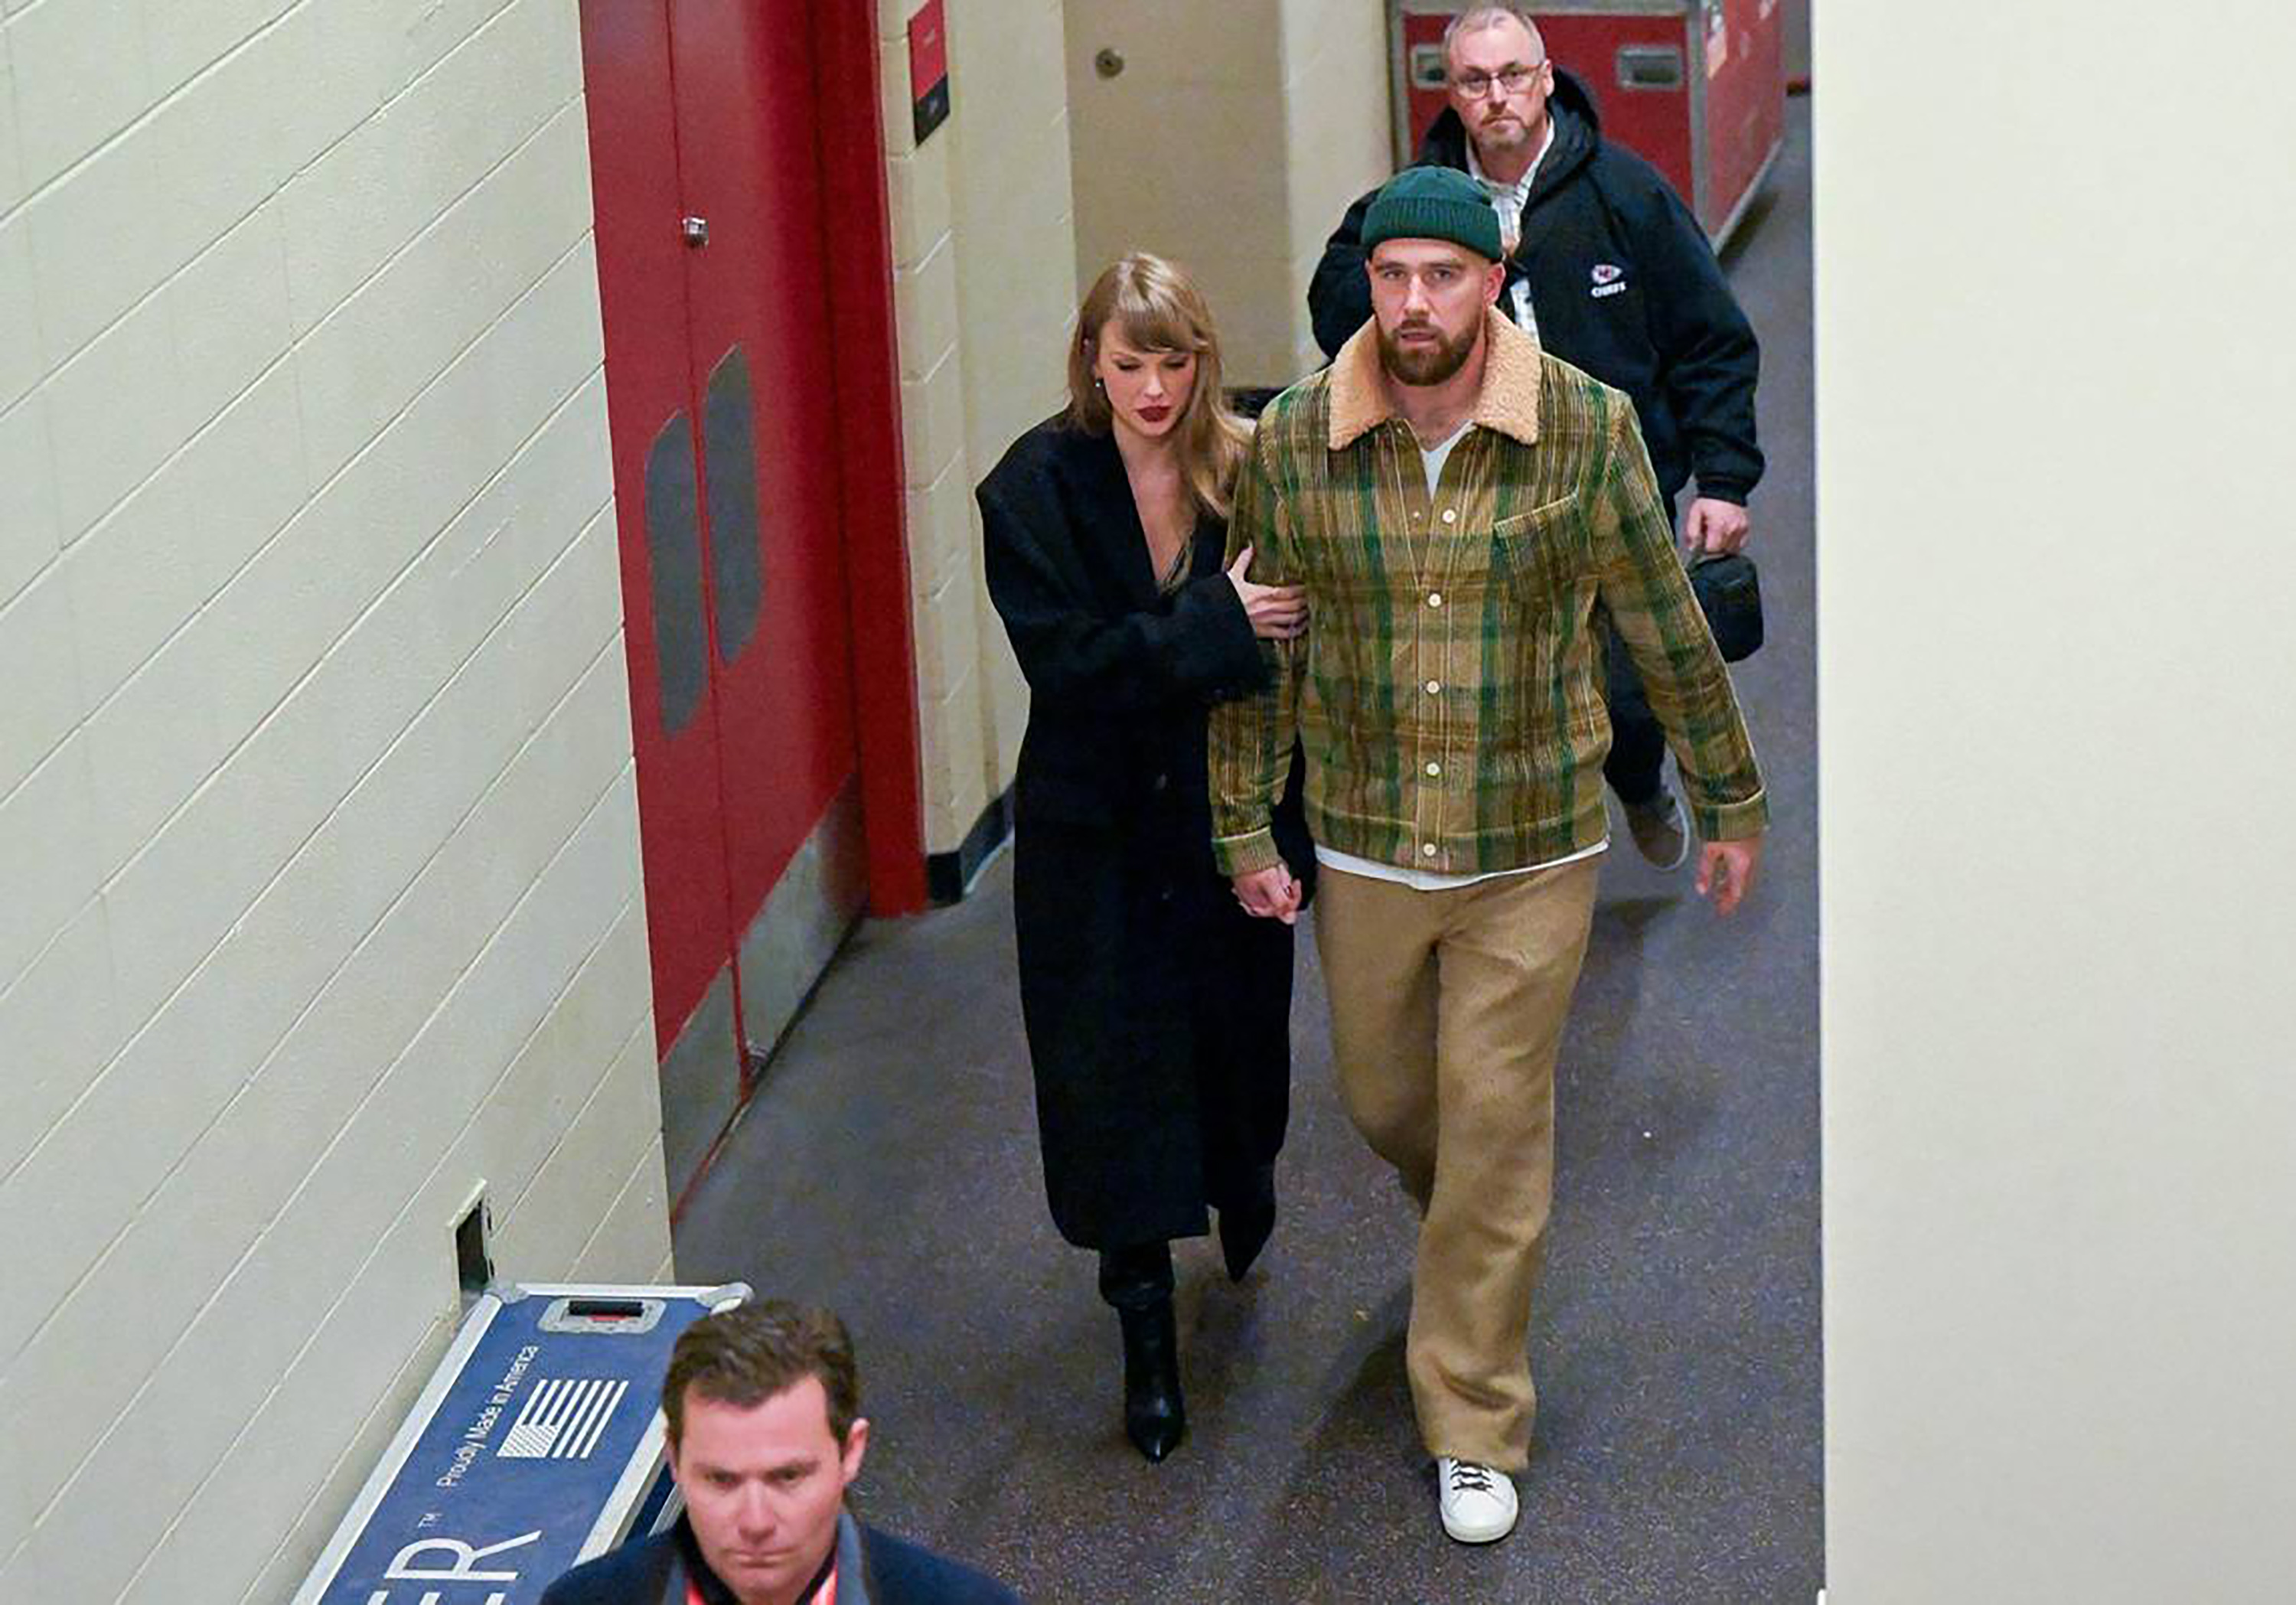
x=1156, y=1010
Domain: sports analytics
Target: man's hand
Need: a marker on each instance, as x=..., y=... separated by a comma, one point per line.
x=1714, y=526
x=1269, y=894
x=1726, y=871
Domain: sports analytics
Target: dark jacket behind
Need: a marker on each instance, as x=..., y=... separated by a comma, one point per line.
x=654, y=1571
x=1157, y=1010
x=1623, y=284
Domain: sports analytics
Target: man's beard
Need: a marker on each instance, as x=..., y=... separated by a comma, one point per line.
x=1429, y=364
x=1506, y=135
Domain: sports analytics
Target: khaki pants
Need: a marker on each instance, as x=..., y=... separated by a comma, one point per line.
x=1447, y=1010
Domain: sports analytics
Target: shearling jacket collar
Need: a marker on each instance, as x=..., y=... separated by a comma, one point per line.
x=1508, y=402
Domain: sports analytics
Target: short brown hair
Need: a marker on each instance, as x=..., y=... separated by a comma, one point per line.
x=745, y=1356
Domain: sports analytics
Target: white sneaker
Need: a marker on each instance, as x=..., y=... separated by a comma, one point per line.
x=1478, y=1501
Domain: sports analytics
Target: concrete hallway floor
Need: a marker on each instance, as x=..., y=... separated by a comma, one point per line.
x=888, y=1168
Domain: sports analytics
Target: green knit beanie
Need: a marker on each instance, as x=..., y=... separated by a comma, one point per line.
x=1433, y=203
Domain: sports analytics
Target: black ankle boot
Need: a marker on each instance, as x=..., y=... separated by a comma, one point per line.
x=1154, y=1417
x=1244, y=1227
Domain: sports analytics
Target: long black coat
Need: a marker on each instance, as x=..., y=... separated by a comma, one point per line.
x=1157, y=1010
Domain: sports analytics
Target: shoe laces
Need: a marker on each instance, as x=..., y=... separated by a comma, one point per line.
x=1467, y=1476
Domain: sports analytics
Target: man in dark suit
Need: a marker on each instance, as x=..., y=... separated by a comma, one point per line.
x=762, y=1403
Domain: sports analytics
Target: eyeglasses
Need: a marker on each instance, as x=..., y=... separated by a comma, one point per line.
x=1513, y=80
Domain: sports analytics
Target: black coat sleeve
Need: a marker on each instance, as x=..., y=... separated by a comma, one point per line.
x=1338, y=297
x=1074, y=655
x=1708, y=355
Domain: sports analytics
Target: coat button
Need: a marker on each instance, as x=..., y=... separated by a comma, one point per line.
x=1162, y=780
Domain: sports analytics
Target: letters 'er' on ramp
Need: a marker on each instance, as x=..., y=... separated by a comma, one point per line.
x=537, y=1445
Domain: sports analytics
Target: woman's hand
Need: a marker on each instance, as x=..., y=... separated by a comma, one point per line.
x=1276, y=612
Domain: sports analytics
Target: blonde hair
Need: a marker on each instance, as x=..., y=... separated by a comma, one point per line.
x=1158, y=308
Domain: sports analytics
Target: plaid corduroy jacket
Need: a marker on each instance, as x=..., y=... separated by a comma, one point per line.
x=1449, y=687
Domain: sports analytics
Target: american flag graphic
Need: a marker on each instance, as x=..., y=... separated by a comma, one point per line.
x=563, y=1419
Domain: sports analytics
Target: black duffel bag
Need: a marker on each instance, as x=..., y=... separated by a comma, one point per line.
x=1730, y=594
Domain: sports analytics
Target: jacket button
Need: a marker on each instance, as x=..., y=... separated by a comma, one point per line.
x=1162, y=780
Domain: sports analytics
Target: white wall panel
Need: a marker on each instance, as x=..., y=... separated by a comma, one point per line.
x=2054, y=654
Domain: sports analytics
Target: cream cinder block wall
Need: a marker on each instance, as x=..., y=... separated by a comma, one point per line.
x=1184, y=153
x=2056, y=653
x=944, y=620
x=317, y=815
x=1336, y=121
x=1015, y=235
x=1233, y=140
x=984, y=292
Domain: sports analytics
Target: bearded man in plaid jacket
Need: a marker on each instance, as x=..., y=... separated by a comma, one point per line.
x=1462, y=509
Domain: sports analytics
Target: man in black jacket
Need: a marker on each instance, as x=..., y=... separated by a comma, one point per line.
x=762, y=1404
x=1610, y=270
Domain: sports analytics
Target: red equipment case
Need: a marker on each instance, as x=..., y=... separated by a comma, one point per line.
x=1696, y=88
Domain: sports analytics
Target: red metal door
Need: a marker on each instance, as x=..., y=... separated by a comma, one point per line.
x=751, y=387
x=714, y=278
x=651, y=414
x=1745, y=104
x=758, y=310
x=1638, y=67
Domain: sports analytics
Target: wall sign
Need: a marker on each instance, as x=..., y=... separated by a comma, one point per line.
x=928, y=67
